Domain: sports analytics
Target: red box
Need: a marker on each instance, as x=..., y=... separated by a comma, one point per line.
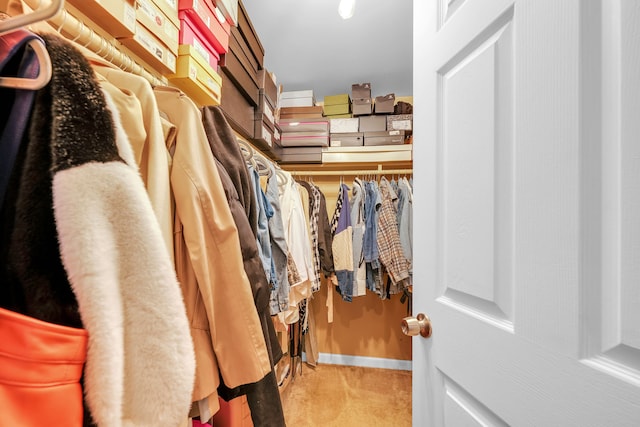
x=190, y=34
x=204, y=18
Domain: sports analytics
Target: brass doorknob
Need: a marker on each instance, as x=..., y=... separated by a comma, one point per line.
x=413, y=326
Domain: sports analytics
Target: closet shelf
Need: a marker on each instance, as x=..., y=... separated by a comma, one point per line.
x=372, y=154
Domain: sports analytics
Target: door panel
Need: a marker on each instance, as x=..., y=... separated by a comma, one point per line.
x=527, y=184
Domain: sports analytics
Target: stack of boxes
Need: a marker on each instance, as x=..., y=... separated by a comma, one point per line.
x=304, y=130
x=249, y=91
x=337, y=106
x=380, y=128
x=149, y=28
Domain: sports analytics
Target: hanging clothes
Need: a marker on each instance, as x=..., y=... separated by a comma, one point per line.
x=227, y=337
x=343, y=244
x=358, y=225
x=279, y=299
x=263, y=396
x=57, y=353
x=222, y=139
x=370, y=241
x=297, y=237
x=325, y=237
x=82, y=247
x=405, y=220
x=389, y=246
x=314, y=214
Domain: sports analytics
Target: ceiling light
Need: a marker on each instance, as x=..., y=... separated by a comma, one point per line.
x=346, y=8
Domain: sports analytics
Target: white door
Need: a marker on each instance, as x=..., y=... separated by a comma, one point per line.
x=527, y=198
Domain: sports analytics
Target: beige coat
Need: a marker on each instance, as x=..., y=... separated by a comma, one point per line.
x=225, y=327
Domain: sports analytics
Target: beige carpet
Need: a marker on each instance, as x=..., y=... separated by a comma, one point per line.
x=348, y=396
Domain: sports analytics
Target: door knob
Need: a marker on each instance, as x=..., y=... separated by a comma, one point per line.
x=413, y=326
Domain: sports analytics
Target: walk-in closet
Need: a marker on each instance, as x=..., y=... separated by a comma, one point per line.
x=190, y=239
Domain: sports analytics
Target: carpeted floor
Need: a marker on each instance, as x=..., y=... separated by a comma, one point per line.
x=348, y=396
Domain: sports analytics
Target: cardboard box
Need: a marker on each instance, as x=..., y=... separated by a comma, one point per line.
x=148, y=47
x=360, y=90
x=354, y=139
x=263, y=134
x=238, y=44
x=372, y=123
x=248, y=32
x=154, y=20
x=264, y=111
x=117, y=17
x=384, y=104
x=318, y=126
x=300, y=155
x=344, y=125
x=297, y=98
x=339, y=116
x=230, y=63
x=192, y=35
x=170, y=9
x=237, y=107
x=361, y=106
x=202, y=16
x=391, y=137
x=400, y=122
x=337, y=104
x=301, y=112
x=303, y=139
x=196, y=77
x=267, y=82
x=229, y=9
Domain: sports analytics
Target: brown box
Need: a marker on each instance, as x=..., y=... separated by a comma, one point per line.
x=301, y=112
x=300, y=154
x=354, y=139
x=384, y=104
x=263, y=135
x=264, y=110
x=390, y=137
x=306, y=125
x=361, y=90
x=266, y=82
x=361, y=106
x=249, y=33
x=236, y=107
x=240, y=76
x=116, y=17
x=239, y=46
x=372, y=123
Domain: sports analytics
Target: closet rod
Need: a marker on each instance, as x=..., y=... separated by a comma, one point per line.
x=79, y=32
x=354, y=172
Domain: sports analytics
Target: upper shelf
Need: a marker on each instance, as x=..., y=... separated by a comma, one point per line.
x=368, y=154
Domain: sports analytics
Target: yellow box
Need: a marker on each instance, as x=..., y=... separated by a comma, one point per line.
x=196, y=78
x=152, y=50
x=117, y=17
x=154, y=19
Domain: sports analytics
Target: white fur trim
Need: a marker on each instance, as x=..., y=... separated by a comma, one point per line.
x=140, y=363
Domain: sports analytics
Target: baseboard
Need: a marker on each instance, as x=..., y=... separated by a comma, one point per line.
x=362, y=361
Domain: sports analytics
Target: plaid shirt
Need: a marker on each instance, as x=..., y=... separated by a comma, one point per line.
x=389, y=246
x=314, y=210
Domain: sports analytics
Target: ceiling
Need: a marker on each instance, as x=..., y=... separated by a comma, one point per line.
x=309, y=46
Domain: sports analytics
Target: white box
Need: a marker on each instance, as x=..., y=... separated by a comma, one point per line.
x=297, y=98
x=344, y=125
